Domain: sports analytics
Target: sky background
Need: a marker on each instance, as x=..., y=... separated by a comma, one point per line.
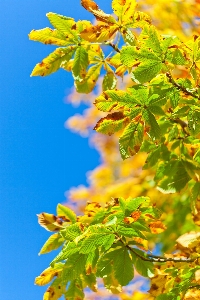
x=39, y=158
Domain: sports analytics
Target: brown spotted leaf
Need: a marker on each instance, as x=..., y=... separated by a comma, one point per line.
x=131, y=140
x=124, y=9
x=112, y=123
x=54, y=61
x=98, y=33
x=46, y=276
x=92, y=7
x=49, y=222
x=91, y=77
x=49, y=37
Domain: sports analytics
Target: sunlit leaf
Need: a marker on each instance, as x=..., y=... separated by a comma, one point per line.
x=53, y=243
x=54, y=61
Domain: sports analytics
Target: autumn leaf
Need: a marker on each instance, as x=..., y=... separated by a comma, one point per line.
x=46, y=276
x=49, y=222
x=157, y=227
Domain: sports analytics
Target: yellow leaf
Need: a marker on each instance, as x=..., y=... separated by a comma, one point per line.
x=88, y=83
x=46, y=276
x=98, y=33
x=53, y=293
x=49, y=222
x=188, y=241
x=192, y=294
x=54, y=61
x=120, y=70
x=124, y=9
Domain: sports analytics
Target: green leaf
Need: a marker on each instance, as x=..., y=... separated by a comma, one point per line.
x=54, y=61
x=49, y=37
x=112, y=123
x=176, y=179
x=148, y=69
x=71, y=232
x=128, y=56
x=127, y=231
x=74, y=267
x=149, y=118
x=74, y=291
x=66, y=213
x=131, y=139
x=90, y=281
x=80, y=63
x=123, y=266
x=68, y=250
x=176, y=57
x=152, y=42
x=194, y=122
x=109, y=81
x=91, y=262
x=144, y=268
x=134, y=203
x=53, y=243
x=96, y=240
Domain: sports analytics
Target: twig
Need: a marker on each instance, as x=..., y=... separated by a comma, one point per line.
x=113, y=46
x=179, y=87
x=171, y=259
x=156, y=258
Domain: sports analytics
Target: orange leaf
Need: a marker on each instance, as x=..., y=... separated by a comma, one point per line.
x=157, y=227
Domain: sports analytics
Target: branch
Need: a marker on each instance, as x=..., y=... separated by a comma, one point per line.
x=179, y=87
x=171, y=259
x=113, y=46
x=156, y=258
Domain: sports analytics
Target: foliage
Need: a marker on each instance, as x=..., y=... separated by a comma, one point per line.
x=155, y=117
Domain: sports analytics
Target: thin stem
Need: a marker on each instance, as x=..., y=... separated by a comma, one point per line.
x=171, y=259
x=113, y=46
x=179, y=87
x=155, y=258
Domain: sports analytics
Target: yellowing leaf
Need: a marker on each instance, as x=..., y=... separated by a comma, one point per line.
x=53, y=293
x=112, y=123
x=157, y=227
x=188, y=241
x=54, y=61
x=66, y=213
x=46, y=276
x=53, y=243
x=88, y=83
x=49, y=222
x=64, y=25
x=124, y=9
x=98, y=33
x=49, y=36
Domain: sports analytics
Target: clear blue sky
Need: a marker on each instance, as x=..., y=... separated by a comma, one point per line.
x=39, y=158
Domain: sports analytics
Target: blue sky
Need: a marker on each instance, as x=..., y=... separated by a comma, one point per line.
x=39, y=158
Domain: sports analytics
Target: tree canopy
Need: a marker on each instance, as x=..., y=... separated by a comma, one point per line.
x=138, y=70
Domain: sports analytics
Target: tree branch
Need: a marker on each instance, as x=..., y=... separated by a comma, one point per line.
x=156, y=258
x=179, y=87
